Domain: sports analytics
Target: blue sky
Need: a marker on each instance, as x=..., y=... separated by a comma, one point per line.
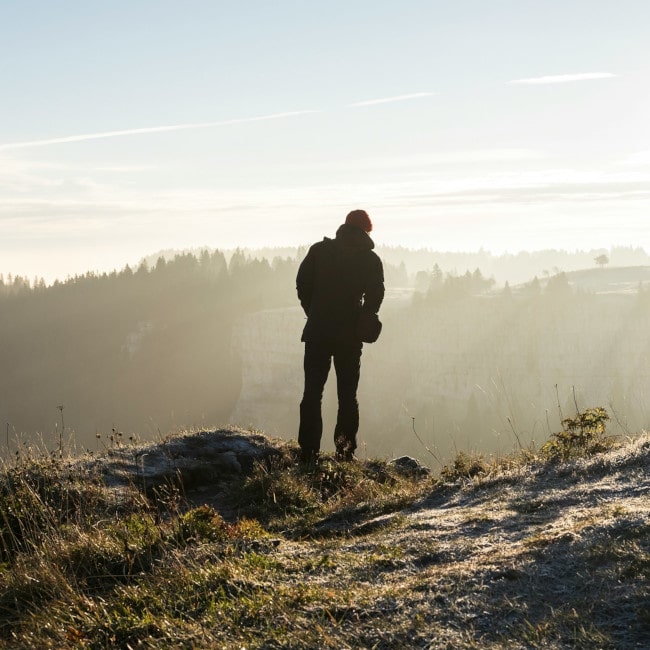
x=128, y=127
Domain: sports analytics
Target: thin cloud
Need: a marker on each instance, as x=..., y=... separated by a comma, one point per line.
x=639, y=158
x=151, y=129
x=83, y=137
x=388, y=100
x=564, y=78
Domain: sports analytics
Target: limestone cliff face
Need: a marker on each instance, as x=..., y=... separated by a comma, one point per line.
x=268, y=344
x=466, y=373
x=499, y=364
x=271, y=354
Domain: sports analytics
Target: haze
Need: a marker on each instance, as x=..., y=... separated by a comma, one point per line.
x=127, y=128
x=501, y=149
x=464, y=362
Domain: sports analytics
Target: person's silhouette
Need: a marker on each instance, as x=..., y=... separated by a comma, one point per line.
x=339, y=281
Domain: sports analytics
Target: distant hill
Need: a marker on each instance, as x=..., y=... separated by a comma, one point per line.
x=620, y=279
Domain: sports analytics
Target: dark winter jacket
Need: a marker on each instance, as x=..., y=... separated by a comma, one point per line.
x=337, y=279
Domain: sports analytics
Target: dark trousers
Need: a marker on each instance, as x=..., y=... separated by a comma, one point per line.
x=347, y=364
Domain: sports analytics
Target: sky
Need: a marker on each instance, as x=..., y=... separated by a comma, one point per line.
x=129, y=127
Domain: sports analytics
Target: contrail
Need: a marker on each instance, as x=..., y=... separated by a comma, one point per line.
x=151, y=129
x=388, y=100
x=195, y=125
x=564, y=78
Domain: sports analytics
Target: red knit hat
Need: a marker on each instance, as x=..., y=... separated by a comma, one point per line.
x=360, y=219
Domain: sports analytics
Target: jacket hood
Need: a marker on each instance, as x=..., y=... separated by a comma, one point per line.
x=352, y=237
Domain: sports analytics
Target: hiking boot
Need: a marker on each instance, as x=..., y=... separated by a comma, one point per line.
x=344, y=444
x=308, y=457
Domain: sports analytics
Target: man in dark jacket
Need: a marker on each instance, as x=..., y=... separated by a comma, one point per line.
x=338, y=280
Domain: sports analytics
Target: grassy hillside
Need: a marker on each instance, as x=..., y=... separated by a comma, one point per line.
x=220, y=540
x=618, y=279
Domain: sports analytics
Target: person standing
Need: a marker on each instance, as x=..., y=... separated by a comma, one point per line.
x=339, y=282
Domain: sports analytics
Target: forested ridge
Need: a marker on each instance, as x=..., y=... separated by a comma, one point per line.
x=135, y=351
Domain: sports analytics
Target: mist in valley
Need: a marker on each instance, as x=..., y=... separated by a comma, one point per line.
x=479, y=352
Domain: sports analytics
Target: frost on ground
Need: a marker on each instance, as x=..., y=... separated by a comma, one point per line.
x=540, y=554
x=532, y=554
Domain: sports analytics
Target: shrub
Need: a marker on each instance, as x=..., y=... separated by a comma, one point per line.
x=202, y=524
x=464, y=466
x=582, y=435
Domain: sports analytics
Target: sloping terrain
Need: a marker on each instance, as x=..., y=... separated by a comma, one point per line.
x=515, y=554
x=618, y=279
x=539, y=556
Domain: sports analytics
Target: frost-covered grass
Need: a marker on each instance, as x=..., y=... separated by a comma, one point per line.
x=524, y=552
